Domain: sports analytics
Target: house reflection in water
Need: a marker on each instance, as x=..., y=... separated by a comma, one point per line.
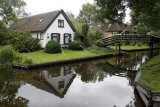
x=56, y=80
x=60, y=81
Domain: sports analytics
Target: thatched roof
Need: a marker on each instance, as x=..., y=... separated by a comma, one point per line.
x=130, y=28
x=39, y=23
x=107, y=27
x=115, y=27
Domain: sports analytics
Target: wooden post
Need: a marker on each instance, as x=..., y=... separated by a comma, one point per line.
x=151, y=47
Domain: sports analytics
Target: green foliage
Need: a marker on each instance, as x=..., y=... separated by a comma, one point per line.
x=9, y=55
x=28, y=61
x=23, y=42
x=88, y=13
x=53, y=47
x=84, y=33
x=4, y=35
x=75, y=46
x=150, y=74
x=112, y=10
x=95, y=35
x=6, y=55
x=10, y=9
x=99, y=43
x=82, y=36
x=85, y=29
x=145, y=12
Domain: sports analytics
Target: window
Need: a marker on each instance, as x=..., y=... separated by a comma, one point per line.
x=41, y=37
x=60, y=23
x=67, y=38
x=67, y=70
x=55, y=37
x=61, y=84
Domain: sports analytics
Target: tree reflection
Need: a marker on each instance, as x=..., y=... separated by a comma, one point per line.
x=91, y=72
x=128, y=61
x=8, y=89
x=98, y=70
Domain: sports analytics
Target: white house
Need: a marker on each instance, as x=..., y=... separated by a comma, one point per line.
x=53, y=25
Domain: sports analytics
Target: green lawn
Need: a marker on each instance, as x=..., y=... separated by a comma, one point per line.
x=151, y=74
x=41, y=56
x=130, y=47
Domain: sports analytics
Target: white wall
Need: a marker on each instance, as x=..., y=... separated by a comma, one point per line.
x=55, y=29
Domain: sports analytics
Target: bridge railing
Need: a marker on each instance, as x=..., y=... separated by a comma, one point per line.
x=118, y=38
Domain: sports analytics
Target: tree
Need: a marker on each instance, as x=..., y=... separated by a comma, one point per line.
x=85, y=29
x=145, y=12
x=82, y=35
x=4, y=34
x=70, y=15
x=88, y=13
x=10, y=10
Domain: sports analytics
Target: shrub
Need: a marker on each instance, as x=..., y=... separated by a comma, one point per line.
x=99, y=43
x=9, y=55
x=95, y=35
x=28, y=61
x=53, y=47
x=23, y=42
x=75, y=46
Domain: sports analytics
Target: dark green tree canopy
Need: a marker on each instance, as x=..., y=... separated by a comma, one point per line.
x=4, y=34
x=88, y=13
x=145, y=12
x=10, y=9
x=112, y=10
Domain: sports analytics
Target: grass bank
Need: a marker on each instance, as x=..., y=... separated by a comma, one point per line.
x=151, y=74
x=130, y=47
x=41, y=56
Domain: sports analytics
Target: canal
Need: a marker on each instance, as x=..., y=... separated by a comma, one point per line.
x=99, y=83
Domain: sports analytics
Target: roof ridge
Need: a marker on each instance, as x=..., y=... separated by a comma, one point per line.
x=41, y=14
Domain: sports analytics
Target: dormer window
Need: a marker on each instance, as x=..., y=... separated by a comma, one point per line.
x=40, y=20
x=60, y=23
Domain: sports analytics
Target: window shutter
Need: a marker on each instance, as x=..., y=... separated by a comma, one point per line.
x=58, y=37
x=70, y=38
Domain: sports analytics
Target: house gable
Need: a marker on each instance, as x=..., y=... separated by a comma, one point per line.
x=39, y=23
x=57, y=17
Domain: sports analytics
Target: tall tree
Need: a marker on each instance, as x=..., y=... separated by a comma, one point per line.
x=70, y=15
x=11, y=9
x=145, y=12
x=4, y=34
x=88, y=13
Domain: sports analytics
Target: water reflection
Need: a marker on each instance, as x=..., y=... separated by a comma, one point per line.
x=100, y=83
x=9, y=85
x=129, y=61
x=60, y=81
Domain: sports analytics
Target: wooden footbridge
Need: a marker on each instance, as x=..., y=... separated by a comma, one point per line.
x=117, y=39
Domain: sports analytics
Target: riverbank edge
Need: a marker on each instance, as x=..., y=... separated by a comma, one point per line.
x=149, y=97
x=54, y=63
x=135, y=50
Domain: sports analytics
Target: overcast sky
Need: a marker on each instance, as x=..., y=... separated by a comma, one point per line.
x=42, y=6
